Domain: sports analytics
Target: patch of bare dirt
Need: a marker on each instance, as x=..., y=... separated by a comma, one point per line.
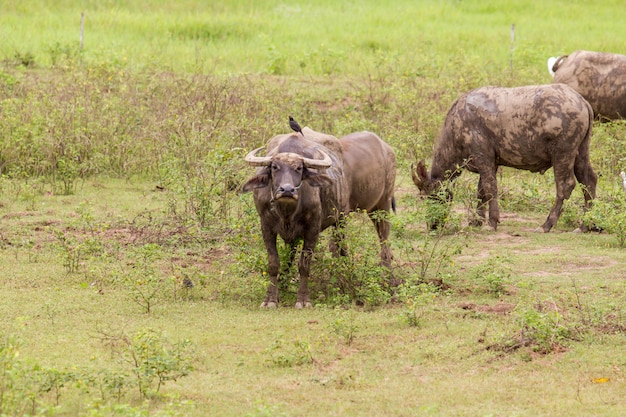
x=499, y=308
x=20, y=214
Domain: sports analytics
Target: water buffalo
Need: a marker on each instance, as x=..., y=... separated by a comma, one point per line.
x=307, y=183
x=598, y=76
x=532, y=128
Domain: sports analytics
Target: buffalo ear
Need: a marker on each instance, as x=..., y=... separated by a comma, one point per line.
x=420, y=175
x=258, y=181
x=316, y=180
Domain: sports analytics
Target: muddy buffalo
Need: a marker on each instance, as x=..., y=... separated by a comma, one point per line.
x=531, y=128
x=598, y=76
x=307, y=183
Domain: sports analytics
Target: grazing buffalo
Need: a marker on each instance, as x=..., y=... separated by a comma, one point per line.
x=532, y=128
x=598, y=76
x=308, y=182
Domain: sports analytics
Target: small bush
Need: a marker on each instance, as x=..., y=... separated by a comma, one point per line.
x=154, y=360
x=286, y=355
x=417, y=299
x=142, y=277
x=541, y=328
x=344, y=325
x=609, y=214
x=491, y=276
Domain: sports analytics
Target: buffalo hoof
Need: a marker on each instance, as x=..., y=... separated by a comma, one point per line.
x=540, y=230
x=306, y=304
x=577, y=230
x=269, y=304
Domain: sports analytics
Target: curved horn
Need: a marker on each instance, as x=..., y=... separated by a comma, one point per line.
x=318, y=163
x=258, y=161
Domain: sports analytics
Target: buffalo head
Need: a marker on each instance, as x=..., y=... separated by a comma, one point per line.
x=285, y=173
x=437, y=191
x=434, y=188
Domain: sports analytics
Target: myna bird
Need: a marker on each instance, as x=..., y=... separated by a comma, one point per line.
x=295, y=126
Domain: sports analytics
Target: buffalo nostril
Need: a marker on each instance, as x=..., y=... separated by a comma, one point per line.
x=286, y=189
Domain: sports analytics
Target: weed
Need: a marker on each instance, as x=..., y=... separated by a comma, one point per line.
x=109, y=384
x=541, y=327
x=431, y=259
x=76, y=250
x=50, y=380
x=609, y=150
x=286, y=355
x=70, y=251
x=492, y=275
x=25, y=59
x=62, y=55
x=12, y=395
x=438, y=213
x=609, y=214
x=607, y=318
x=24, y=386
x=154, y=358
x=417, y=298
x=344, y=325
x=142, y=277
x=151, y=359
x=51, y=310
x=277, y=61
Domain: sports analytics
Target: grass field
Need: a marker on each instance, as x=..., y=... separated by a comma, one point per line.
x=132, y=270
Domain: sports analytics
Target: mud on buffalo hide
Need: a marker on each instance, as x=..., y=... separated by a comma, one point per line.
x=532, y=128
x=598, y=76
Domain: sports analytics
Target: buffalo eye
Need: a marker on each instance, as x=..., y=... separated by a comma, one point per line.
x=299, y=169
x=275, y=167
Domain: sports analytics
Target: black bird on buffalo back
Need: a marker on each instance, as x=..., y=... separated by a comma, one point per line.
x=295, y=126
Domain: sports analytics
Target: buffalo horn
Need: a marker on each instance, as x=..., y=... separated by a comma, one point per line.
x=258, y=161
x=263, y=161
x=317, y=163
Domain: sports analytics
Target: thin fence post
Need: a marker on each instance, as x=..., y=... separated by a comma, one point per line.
x=82, y=29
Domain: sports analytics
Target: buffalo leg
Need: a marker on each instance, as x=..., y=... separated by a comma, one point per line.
x=337, y=244
x=383, y=228
x=488, y=190
x=587, y=178
x=479, y=219
x=271, y=299
x=304, y=267
x=565, y=183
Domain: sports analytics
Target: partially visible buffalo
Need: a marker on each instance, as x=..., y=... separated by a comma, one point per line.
x=309, y=182
x=532, y=128
x=598, y=76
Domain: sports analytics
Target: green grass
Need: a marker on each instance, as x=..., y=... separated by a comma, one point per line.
x=119, y=168
x=249, y=361
x=304, y=38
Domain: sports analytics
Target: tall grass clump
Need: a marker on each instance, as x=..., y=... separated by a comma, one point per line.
x=608, y=153
x=608, y=213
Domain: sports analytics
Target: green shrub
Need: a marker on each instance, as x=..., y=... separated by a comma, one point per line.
x=143, y=278
x=417, y=298
x=286, y=355
x=609, y=214
x=344, y=325
x=540, y=327
x=154, y=360
x=491, y=276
